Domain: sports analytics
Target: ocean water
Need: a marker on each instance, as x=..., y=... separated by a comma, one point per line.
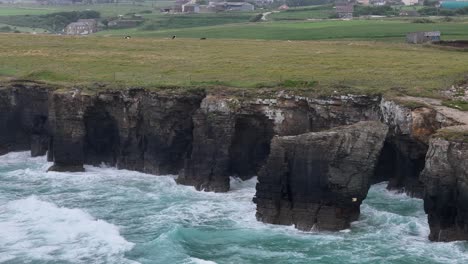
x=115, y=216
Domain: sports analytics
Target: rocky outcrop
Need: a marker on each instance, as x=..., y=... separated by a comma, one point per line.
x=24, y=118
x=445, y=178
x=315, y=171
x=319, y=179
x=232, y=134
x=411, y=125
x=133, y=129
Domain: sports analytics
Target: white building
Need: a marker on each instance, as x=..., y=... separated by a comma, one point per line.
x=410, y=2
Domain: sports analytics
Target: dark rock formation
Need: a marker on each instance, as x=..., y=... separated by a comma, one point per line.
x=134, y=129
x=404, y=152
x=318, y=180
x=232, y=134
x=445, y=178
x=68, y=130
x=24, y=118
x=311, y=176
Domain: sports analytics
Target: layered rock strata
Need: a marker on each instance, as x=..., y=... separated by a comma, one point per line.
x=404, y=153
x=133, y=129
x=206, y=136
x=445, y=178
x=24, y=118
x=232, y=134
x=319, y=179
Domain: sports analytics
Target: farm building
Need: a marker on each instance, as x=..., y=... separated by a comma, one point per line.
x=410, y=2
x=422, y=37
x=345, y=10
x=79, y=28
x=190, y=8
x=239, y=6
x=363, y=2
x=231, y=6
x=91, y=22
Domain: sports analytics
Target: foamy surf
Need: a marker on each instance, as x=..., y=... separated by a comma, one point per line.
x=105, y=215
x=31, y=229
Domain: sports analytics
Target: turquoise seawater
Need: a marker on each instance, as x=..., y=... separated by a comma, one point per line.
x=115, y=216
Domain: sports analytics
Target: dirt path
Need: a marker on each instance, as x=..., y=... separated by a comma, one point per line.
x=264, y=15
x=457, y=115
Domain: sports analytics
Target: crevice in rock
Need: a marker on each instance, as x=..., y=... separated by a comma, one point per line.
x=250, y=145
x=101, y=141
x=401, y=161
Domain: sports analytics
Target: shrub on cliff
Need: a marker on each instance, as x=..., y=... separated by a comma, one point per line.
x=256, y=18
x=423, y=21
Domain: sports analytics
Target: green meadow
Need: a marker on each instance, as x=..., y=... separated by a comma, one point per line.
x=310, y=30
x=321, y=66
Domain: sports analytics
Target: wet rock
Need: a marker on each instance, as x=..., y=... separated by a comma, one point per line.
x=24, y=118
x=148, y=131
x=232, y=134
x=445, y=178
x=319, y=179
x=403, y=156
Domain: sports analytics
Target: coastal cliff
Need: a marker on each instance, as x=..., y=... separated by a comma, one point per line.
x=133, y=129
x=445, y=177
x=319, y=179
x=208, y=135
x=24, y=118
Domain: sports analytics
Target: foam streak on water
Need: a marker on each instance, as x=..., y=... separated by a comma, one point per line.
x=116, y=216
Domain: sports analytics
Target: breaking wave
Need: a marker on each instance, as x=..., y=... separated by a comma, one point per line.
x=105, y=215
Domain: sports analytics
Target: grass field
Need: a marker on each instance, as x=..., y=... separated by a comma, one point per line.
x=104, y=9
x=24, y=29
x=10, y=10
x=341, y=66
x=303, y=13
x=158, y=21
x=321, y=30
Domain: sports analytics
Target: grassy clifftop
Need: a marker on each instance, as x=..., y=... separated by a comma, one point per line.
x=325, y=66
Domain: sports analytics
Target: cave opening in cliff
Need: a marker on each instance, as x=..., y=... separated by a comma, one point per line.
x=401, y=161
x=101, y=142
x=250, y=145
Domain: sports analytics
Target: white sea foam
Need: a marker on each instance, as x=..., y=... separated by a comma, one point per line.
x=200, y=261
x=174, y=223
x=32, y=229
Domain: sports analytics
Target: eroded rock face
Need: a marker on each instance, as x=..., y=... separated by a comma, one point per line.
x=232, y=134
x=24, y=118
x=445, y=178
x=404, y=153
x=134, y=129
x=318, y=180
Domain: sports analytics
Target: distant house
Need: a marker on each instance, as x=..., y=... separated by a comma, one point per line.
x=410, y=2
x=91, y=22
x=283, y=7
x=378, y=2
x=363, y=2
x=177, y=8
x=231, y=6
x=80, y=28
x=262, y=2
x=190, y=8
x=422, y=37
x=239, y=6
x=345, y=10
